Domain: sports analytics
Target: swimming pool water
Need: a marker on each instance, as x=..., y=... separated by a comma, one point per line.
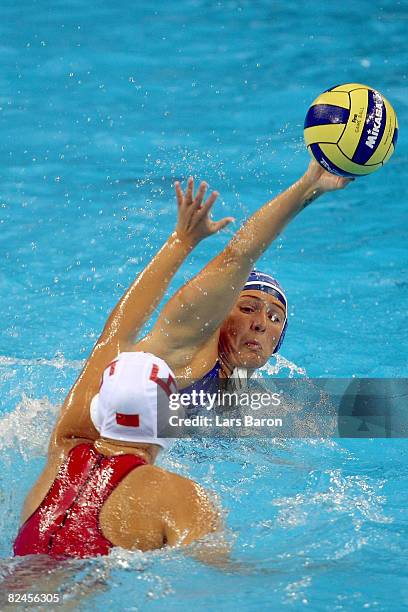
x=103, y=106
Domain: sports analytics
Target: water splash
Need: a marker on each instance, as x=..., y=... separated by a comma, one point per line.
x=281, y=364
x=28, y=427
x=59, y=362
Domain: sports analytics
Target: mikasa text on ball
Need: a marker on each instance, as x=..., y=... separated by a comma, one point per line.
x=351, y=130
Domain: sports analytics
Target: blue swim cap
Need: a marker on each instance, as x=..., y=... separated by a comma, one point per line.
x=259, y=281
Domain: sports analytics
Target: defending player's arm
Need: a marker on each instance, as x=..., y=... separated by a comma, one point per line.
x=135, y=307
x=143, y=296
x=199, y=308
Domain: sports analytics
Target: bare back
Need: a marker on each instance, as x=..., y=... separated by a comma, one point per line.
x=150, y=508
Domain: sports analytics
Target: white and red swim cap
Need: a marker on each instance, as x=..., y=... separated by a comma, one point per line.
x=132, y=403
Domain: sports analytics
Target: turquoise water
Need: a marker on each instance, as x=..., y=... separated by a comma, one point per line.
x=103, y=106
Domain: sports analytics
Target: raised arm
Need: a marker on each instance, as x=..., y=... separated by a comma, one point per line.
x=135, y=307
x=143, y=296
x=199, y=308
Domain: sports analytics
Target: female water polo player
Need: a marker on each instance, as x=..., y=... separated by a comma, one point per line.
x=100, y=488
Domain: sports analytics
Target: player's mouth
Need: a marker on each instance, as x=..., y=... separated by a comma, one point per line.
x=254, y=345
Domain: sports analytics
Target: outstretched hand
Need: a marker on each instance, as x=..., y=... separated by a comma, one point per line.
x=194, y=222
x=322, y=180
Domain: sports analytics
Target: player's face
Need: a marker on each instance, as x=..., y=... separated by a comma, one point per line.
x=252, y=330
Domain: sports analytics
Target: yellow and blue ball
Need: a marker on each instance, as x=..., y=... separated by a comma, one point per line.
x=351, y=130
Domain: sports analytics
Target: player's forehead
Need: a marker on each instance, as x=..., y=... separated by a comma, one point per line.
x=261, y=297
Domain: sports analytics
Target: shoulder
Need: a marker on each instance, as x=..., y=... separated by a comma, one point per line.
x=171, y=505
x=156, y=478
x=189, y=510
x=195, y=515
x=185, y=362
x=171, y=492
x=150, y=481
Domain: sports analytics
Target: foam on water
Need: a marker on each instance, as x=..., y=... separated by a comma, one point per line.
x=27, y=429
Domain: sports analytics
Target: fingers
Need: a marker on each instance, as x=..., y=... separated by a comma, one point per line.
x=187, y=197
x=219, y=225
x=200, y=194
x=344, y=182
x=179, y=193
x=189, y=190
x=209, y=203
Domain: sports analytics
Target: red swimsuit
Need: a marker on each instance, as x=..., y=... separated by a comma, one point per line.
x=66, y=524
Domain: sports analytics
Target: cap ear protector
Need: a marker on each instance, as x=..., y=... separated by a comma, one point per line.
x=259, y=281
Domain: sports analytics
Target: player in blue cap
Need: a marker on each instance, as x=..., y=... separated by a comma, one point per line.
x=260, y=281
x=228, y=318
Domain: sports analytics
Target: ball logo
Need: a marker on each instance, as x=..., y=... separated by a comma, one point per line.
x=357, y=120
x=372, y=134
